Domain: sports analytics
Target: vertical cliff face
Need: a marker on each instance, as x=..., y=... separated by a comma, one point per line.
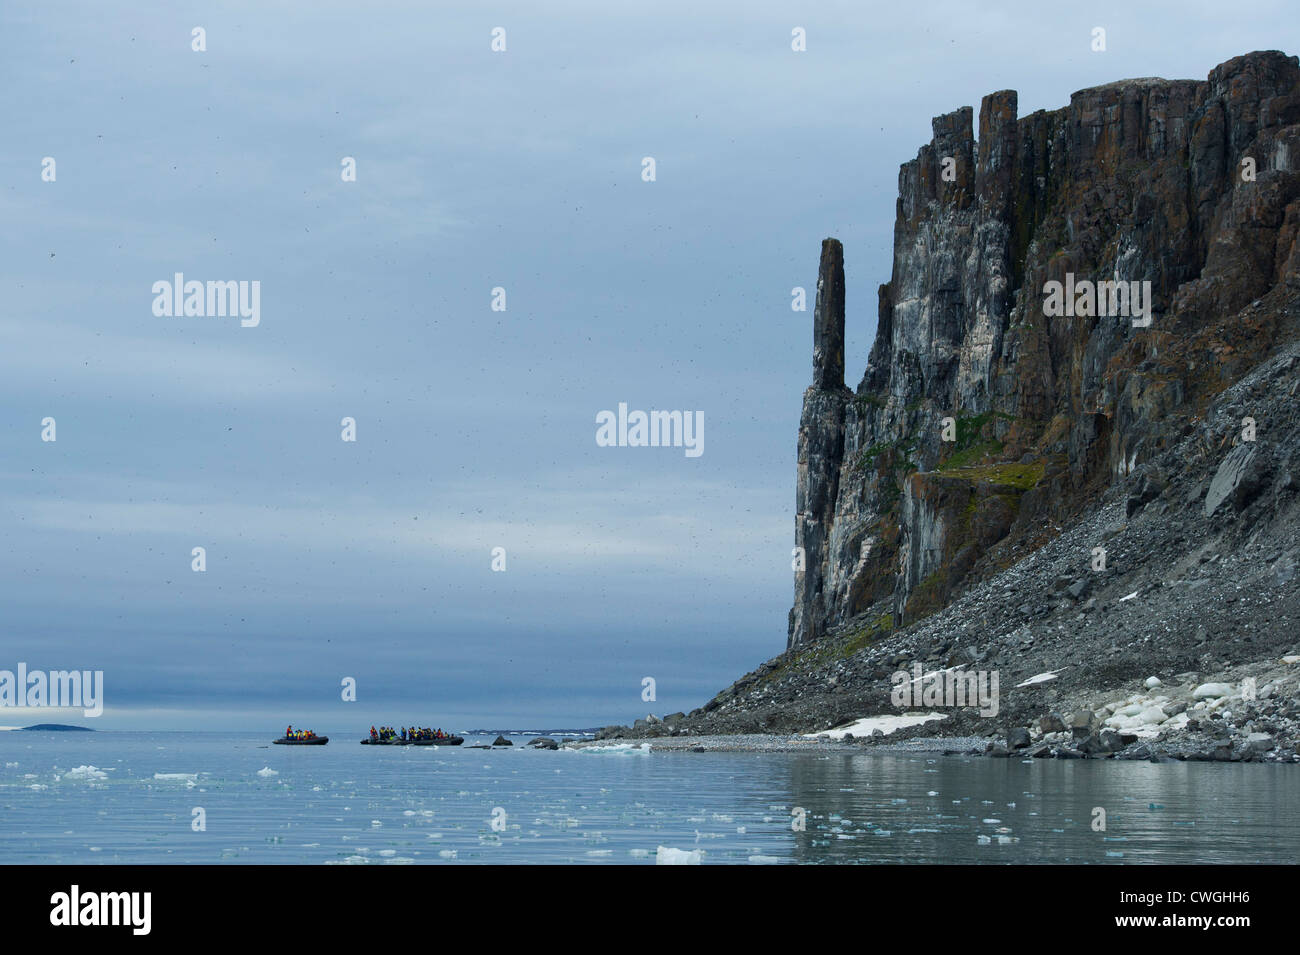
x=982, y=418
x=821, y=445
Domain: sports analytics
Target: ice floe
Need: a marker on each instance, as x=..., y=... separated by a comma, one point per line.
x=667, y=856
x=86, y=772
x=623, y=749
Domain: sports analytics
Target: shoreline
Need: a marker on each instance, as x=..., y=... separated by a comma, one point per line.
x=1203, y=750
x=786, y=743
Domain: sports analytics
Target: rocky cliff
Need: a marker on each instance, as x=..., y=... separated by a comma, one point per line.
x=986, y=420
x=1090, y=490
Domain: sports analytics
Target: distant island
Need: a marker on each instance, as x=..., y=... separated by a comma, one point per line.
x=58, y=727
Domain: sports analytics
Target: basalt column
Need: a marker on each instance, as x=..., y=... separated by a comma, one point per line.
x=821, y=449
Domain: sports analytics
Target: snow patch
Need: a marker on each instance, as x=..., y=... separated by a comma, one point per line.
x=886, y=725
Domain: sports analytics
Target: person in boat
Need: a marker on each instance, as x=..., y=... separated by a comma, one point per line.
x=288, y=733
x=403, y=732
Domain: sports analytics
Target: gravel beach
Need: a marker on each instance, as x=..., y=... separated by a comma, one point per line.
x=777, y=743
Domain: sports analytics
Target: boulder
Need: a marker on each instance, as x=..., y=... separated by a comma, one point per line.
x=544, y=742
x=1239, y=478
x=1051, y=723
x=1259, y=742
x=502, y=741
x=1147, y=490
x=1093, y=746
x=1017, y=738
x=1112, y=742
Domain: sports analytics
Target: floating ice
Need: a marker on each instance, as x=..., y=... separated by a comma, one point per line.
x=623, y=749
x=666, y=856
x=266, y=772
x=86, y=772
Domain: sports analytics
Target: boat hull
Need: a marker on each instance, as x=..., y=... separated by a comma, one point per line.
x=314, y=741
x=446, y=741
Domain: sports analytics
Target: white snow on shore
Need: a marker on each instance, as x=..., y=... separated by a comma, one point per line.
x=886, y=725
x=1041, y=678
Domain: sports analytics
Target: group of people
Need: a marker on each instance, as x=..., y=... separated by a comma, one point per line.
x=292, y=733
x=425, y=733
x=406, y=733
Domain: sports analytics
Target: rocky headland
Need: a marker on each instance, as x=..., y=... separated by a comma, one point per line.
x=1098, y=507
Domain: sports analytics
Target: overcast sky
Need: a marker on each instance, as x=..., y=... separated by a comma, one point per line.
x=476, y=428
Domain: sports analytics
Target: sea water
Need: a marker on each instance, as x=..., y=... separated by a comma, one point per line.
x=123, y=797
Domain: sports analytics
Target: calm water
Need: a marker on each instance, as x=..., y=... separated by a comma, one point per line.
x=348, y=803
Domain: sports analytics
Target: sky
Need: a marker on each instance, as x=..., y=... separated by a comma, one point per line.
x=476, y=169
